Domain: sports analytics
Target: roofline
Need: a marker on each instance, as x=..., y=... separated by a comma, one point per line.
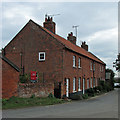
x=97, y=58
x=10, y=63
x=48, y=33
x=16, y=35
x=44, y=29
x=85, y=56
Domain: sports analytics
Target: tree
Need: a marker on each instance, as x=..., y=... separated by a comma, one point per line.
x=112, y=74
x=116, y=64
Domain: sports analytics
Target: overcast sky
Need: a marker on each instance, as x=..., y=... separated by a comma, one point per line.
x=98, y=23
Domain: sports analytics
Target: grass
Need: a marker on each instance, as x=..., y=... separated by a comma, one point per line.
x=15, y=102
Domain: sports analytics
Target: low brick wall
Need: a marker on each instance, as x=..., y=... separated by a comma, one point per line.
x=38, y=89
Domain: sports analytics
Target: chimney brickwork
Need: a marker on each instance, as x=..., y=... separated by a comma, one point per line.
x=71, y=38
x=84, y=46
x=49, y=24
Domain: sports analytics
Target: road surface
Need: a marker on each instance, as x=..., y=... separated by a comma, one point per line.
x=104, y=106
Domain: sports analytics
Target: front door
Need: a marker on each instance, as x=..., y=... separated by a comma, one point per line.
x=67, y=87
x=57, y=90
x=83, y=85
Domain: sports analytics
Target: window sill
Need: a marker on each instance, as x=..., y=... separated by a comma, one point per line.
x=74, y=66
x=79, y=67
x=79, y=90
x=41, y=60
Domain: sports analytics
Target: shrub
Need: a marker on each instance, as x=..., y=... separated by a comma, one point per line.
x=95, y=89
x=24, y=78
x=85, y=96
x=99, y=88
x=32, y=96
x=76, y=97
x=51, y=95
x=4, y=101
x=90, y=92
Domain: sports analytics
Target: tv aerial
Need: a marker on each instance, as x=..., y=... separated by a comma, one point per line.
x=47, y=15
x=75, y=27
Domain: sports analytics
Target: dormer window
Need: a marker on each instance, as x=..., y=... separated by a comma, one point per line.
x=41, y=56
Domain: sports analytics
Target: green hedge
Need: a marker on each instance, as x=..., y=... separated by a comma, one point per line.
x=103, y=87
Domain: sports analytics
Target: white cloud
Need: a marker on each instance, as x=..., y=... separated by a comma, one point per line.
x=104, y=45
x=103, y=36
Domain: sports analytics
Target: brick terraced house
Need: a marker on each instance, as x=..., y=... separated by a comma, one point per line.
x=70, y=68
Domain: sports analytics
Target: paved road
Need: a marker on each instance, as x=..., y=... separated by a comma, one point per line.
x=104, y=106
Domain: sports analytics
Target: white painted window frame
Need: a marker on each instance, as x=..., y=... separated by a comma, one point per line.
x=74, y=84
x=40, y=54
x=79, y=84
x=90, y=65
x=79, y=63
x=88, y=84
x=74, y=61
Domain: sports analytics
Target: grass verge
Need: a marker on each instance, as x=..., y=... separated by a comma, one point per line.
x=16, y=102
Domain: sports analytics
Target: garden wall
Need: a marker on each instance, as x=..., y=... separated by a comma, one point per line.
x=39, y=90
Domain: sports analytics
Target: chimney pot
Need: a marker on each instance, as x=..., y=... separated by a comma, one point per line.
x=49, y=24
x=71, y=38
x=84, y=46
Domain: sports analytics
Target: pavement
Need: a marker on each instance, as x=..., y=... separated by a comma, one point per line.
x=103, y=106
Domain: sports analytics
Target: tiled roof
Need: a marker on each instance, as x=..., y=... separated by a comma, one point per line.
x=9, y=62
x=71, y=46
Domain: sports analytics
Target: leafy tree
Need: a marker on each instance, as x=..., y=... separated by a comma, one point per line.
x=112, y=74
x=117, y=63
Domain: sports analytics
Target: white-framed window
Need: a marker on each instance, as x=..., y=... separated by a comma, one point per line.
x=88, y=83
x=91, y=82
x=90, y=65
x=74, y=61
x=41, y=56
x=79, y=63
x=74, y=82
x=94, y=82
x=93, y=66
x=79, y=84
x=102, y=68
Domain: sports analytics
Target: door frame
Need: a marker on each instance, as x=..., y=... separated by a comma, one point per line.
x=83, y=85
x=67, y=87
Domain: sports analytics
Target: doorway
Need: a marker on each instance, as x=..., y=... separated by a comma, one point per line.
x=57, y=90
x=67, y=87
x=83, y=85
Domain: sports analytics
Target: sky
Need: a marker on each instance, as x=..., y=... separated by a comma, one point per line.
x=97, y=21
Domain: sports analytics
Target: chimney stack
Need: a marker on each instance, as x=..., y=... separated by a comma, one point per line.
x=84, y=46
x=49, y=24
x=71, y=38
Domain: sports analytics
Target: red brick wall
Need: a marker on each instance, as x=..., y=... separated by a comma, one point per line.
x=37, y=89
x=10, y=78
x=70, y=72
x=32, y=40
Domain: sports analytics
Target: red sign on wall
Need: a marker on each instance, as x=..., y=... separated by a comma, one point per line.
x=33, y=75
